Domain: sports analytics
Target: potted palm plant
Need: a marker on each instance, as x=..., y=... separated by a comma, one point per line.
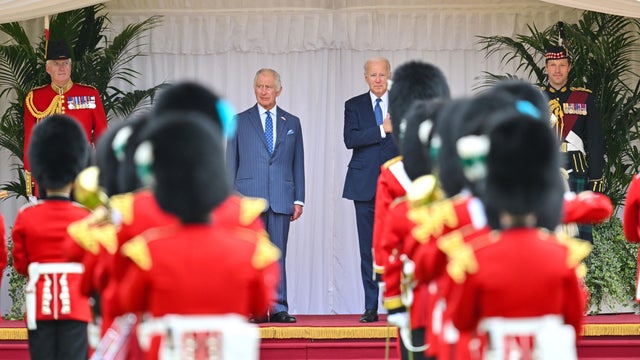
x=603, y=49
x=98, y=61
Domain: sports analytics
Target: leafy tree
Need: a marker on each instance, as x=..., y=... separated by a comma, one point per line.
x=97, y=61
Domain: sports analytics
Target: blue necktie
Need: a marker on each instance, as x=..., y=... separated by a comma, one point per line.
x=268, y=132
x=378, y=111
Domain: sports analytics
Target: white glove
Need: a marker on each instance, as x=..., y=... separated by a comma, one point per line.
x=399, y=319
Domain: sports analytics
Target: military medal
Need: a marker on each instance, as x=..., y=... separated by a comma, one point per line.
x=575, y=108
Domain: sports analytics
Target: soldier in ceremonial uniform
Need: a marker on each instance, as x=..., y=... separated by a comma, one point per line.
x=416, y=132
x=3, y=244
x=576, y=121
x=197, y=270
x=57, y=311
x=62, y=96
x=519, y=287
x=631, y=221
x=463, y=212
x=412, y=81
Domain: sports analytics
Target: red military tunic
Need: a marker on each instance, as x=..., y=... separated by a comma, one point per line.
x=517, y=273
x=3, y=245
x=397, y=230
x=631, y=221
x=39, y=235
x=199, y=269
x=81, y=102
x=137, y=212
x=462, y=213
x=393, y=182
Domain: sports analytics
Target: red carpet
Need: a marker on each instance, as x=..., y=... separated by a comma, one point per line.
x=614, y=336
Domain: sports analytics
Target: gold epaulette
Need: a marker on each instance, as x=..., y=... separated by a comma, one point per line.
x=123, y=204
x=81, y=233
x=391, y=162
x=577, y=251
x=250, y=209
x=107, y=236
x=265, y=253
x=95, y=229
x=137, y=250
x=431, y=219
x=461, y=256
x=543, y=87
x=580, y=89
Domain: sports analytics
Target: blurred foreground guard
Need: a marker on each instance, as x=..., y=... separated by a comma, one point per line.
x=62, y=96
x=631, y=221
x=519, y=287
x=57, y=311
x=196, y=281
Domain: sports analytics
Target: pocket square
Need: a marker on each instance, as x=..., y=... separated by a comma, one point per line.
x=290, y=132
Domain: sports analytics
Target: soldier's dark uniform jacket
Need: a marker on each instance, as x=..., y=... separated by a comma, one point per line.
x=576, y=120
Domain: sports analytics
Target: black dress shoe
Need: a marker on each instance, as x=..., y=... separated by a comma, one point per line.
x=258, y=320
x=282, y=317
x=369, y=316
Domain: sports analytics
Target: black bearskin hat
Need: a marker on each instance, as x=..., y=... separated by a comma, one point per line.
x=182, y=157
x=523, y=172
x=106, y=161
x=190, y=96
x=523, y=90
x=474, y=116
x=125, y=144
x=416, y=132
x=58, y=151
x=414, y=80
x=58, y=50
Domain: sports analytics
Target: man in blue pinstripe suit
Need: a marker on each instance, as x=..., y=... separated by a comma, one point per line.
x=266, y=159
x=367, y=131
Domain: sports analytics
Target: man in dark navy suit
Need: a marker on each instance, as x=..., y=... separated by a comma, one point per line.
x=367, y=131
x=266, y=159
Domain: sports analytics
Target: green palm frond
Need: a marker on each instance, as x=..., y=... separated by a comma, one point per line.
x=128, y=103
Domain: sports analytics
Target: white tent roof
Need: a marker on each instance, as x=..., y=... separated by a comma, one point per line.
x=629, y=8
x=17, y=10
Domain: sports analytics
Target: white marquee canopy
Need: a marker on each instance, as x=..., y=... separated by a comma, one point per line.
x=18, y=10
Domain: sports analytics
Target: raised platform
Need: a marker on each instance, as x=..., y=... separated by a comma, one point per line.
x=343, y=337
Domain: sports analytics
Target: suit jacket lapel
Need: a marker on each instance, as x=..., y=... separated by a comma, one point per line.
x=281, y=127
x=256, y=122
x=369, y=108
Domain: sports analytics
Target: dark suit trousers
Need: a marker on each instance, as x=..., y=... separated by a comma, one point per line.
x=277, y=226
x=364, y=221
x=59, y=340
